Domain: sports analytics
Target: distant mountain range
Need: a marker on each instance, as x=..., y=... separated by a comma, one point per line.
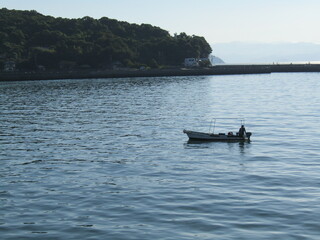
x=215, y=60
x=240, y=52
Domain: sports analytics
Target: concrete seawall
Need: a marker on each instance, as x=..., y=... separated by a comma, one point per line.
x=215, y=70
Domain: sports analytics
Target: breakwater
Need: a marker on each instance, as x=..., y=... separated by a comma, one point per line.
x=214, y=70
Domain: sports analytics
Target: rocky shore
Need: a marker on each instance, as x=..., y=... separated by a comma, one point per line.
x=215, y=70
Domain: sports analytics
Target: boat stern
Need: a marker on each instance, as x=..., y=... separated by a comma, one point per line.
x=248, y=135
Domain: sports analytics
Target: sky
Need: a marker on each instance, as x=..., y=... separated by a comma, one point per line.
x=219, y=21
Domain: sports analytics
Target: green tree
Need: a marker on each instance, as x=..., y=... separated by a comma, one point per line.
x=34, y=39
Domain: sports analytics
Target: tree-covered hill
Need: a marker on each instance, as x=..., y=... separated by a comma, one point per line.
x=31, y=39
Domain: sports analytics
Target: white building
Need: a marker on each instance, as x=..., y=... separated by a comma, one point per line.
x=191, y=62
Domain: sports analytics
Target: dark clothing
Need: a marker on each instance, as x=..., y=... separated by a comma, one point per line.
x=242, y=131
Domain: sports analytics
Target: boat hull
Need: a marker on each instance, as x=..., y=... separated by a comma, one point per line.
x=200, y=136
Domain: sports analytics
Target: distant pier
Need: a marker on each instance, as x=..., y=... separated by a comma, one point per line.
x=214, y=70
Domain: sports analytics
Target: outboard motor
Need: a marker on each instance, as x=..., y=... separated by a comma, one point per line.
x=248, y=135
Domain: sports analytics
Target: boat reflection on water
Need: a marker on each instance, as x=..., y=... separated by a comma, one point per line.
x=241, y=147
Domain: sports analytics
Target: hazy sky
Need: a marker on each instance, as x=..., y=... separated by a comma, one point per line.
x=216, y=20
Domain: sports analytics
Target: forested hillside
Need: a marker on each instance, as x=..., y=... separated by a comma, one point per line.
x=31, y=39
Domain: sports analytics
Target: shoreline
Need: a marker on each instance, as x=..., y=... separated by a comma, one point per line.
x=214, y=70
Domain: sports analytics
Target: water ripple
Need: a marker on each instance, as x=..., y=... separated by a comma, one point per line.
x=107, y=159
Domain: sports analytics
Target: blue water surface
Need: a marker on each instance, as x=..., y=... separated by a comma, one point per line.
x=107, y=158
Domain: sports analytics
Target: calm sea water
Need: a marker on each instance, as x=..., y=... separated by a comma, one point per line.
x=107, y=159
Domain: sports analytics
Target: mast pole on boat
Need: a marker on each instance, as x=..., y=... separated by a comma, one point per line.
x=214, y=125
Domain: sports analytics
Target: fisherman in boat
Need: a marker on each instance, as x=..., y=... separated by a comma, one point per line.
x=242, y=131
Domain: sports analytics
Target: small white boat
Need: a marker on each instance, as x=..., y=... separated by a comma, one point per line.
x=240, y=136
